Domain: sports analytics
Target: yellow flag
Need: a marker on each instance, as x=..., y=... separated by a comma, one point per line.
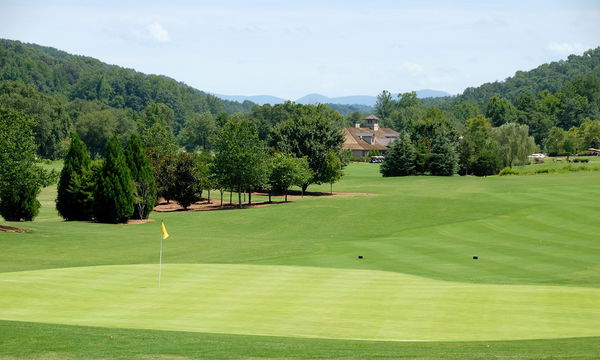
x=164, y=232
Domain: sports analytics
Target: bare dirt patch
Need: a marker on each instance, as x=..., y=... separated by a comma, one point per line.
x=138, y=221
x=215, y=204
x=4, y=228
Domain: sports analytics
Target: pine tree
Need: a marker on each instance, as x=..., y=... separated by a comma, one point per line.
x=142, y=176
x=400, y=158
x=444, y=158
x=114, y=188
x=75, y=197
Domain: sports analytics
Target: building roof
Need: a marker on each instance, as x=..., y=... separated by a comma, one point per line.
x=353, y=141
x=371, y=117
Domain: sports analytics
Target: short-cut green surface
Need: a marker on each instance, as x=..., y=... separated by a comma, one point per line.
x=291, y=270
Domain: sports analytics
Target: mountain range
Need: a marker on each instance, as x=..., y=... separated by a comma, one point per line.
x=312, y=99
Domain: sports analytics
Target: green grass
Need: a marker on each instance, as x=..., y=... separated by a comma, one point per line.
x=291, y=271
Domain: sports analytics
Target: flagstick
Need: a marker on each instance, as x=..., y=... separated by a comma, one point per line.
x=160, y=261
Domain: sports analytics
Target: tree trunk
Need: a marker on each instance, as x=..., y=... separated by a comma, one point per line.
x=270, y=190
x=286, y=191
x=304, y=187
x=240, y=197
x=249, y=198
x=331, y=188
x=230, y=196
x=221, y=190
x=208, y=196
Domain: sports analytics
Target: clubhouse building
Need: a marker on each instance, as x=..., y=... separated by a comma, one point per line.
x=360, y=141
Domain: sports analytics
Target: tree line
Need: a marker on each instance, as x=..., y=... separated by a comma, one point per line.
x=125, y=179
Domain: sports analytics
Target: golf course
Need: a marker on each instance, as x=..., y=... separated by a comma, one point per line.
x=402, y=267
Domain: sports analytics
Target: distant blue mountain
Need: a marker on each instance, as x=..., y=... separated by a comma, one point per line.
x=366, y=100
x=257, y=99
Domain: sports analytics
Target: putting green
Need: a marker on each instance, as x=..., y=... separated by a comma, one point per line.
x=298, y=302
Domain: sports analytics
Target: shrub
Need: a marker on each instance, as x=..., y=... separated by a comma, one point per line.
x=509, y=171
x=486, y=163
x=544, y=170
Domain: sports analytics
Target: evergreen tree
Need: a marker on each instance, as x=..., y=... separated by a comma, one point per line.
x=444, y=158
x=114, y=189
x=20, y=179
x=142, y=176
x=75, y=198
x=399, y=158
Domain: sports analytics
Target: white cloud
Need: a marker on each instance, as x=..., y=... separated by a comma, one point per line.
x=410, y=68
x=567, y=48
x=158, y=32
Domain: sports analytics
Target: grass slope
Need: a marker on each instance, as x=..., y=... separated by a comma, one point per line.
x=22, y=340
x=536, y=237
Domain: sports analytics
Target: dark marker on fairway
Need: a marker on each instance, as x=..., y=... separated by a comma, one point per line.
x=360, y=256
x=475, y=257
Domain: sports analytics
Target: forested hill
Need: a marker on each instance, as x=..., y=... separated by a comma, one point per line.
x=55, y=72
x=551, y=77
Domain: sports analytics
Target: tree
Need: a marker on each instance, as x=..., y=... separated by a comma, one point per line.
x=75, y=195
x=399, y=158
x=333, y=169
x=313, y=134
x=114, y=198
x=513, y=143
x=197, y=131
x=464, y=111
x=384, y=105
x=20, y=178
x=425, y=130
x=156, y=112
x=51, y=123
x=476, y=140
x=163, y=167
x=144, y=191
x=240, y=157
x=160, y=137
x=589, y=134
x=286, y=170
x=500, y=111
x=96, y=128
x=444, y=159
x=187, y=188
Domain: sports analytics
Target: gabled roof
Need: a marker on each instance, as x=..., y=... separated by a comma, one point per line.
x=371, y=117
x=383, y=137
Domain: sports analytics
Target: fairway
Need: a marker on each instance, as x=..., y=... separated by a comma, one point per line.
x=290, y=272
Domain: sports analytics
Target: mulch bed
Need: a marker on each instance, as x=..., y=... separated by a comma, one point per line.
x=215, y=203
x=4, y=228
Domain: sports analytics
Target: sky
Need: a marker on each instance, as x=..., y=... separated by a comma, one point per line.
x=292, y=48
